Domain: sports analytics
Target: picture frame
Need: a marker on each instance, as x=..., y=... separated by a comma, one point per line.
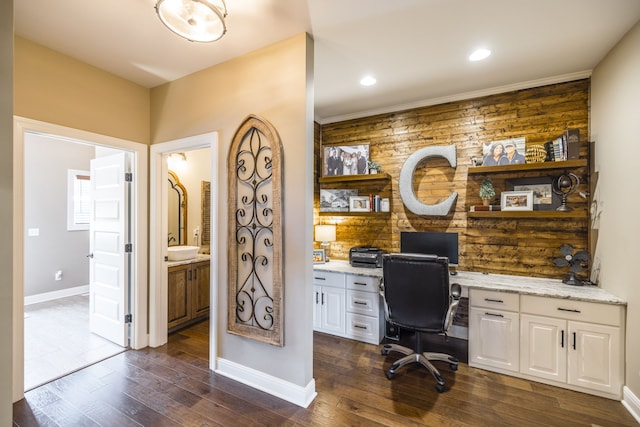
x=359, y=204
x=516, y=200
x=544, y=198
x=319, y=256
x=341, y=160
x=335, y=200
x=488, y=151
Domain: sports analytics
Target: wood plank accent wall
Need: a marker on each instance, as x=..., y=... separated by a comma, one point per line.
x=520, y=246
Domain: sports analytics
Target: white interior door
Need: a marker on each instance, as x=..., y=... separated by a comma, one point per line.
x=109, y=259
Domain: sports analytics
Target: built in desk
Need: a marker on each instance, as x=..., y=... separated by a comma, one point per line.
x=534, y=328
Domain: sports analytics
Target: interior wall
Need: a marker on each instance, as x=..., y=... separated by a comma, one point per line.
x=6, y=212
x=55, y=88
x=273, y=83
x=47, y=160
x=519, y=246
x=615, y=128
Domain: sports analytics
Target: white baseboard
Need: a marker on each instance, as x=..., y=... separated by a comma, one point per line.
x=50, y=296
x=631, y=402
x=301, y=396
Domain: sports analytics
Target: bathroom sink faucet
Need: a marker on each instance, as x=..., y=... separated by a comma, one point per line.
x=170, y=239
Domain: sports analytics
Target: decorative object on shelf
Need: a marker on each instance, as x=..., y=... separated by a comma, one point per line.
x=506, y=152
x=564, y=185
x=577, y=263
x=325, y=233
x=195, y=20
x=359, y=204
x=535, y=153
x=408, y=195
x=384, y=204
x=487, y=192
x=516, y=201
x=544, y=198
x=374, y=167
x=255, y=241
x=335, y=200
x=340, y=160
x=476, y=161
x=319, y=256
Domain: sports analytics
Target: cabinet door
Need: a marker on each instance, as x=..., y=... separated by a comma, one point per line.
x=333, y=310
x=543, y=347
x=178, y=295
x=317, y=308
x=200, y=289
x=594, y=358
x=494, y=338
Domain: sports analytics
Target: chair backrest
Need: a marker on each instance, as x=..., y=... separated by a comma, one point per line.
x=416, y=291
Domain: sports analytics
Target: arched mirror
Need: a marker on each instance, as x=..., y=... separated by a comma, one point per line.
x=177, y=206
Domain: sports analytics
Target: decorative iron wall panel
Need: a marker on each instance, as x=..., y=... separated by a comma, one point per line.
x=255, y=291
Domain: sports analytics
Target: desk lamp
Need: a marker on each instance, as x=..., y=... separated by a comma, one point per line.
x=325, y=233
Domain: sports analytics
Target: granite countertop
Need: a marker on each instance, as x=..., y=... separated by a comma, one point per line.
x=199, y=257
x=500, y=282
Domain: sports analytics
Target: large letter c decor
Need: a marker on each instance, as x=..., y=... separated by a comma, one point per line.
x=407, y=194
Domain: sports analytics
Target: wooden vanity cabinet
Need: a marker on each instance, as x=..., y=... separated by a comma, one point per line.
x=188, y=294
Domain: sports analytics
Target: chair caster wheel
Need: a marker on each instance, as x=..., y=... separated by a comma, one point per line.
x=390, y=375
x=453, y=366
x=384, y=351
x=440, y=388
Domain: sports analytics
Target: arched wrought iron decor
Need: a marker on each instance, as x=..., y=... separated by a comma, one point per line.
x=255, y=293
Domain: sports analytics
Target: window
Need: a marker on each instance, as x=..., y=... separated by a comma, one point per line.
x=78, y=200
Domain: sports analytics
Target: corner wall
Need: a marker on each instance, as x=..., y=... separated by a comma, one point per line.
x=615, y=90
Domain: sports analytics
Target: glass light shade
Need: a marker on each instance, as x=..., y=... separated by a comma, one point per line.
x=325, y=233
x=195, y=20
x=177, y=162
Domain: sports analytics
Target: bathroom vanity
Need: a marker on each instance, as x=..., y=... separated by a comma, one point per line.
x=188, y=292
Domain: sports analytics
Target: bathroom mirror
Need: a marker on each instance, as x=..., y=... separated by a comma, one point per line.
x=177, y=206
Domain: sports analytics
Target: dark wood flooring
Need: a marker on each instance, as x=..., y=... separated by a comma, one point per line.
x=171, y=386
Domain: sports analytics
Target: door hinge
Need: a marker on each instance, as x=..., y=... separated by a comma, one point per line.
x=128, y=247
x=128, y=177
x=128, y=318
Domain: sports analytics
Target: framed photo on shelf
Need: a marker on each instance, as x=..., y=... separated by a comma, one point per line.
x=318, y=256
x=335, y=200
x=516, y=200
x=340, y=160
x=544, y=199
x=359, y=204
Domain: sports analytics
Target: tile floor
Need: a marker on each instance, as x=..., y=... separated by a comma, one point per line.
x=57, y=340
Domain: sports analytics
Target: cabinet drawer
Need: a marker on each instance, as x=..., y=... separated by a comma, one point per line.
x=363, y=283
x=494, y=299
x=328, y=278
x=364, y=328
x=367, y=303
x=593, y=312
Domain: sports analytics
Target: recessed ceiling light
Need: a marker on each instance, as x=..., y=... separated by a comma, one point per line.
x=479, y=55
x=368, y=81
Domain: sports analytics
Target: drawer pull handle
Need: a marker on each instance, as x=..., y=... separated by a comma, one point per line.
x=316, y=297
x=360, y=283
x=320, y=278
x=493, y=314
x=562, y=338
x=360, y=302
x=571, y=310
x=323, y=298
x=574, y=340
x=361, y=327
x=494, y=300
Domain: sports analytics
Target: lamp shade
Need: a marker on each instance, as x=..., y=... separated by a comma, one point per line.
x=325, y=233
x=195, y=20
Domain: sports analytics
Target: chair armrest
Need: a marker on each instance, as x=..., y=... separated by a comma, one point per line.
x=456, y=291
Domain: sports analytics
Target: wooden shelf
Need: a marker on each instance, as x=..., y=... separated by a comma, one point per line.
x=382, y=214
x=567, y=164
x=352, y=178
x=580, y=214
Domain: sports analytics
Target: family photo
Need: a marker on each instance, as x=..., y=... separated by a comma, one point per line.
x=345, y=160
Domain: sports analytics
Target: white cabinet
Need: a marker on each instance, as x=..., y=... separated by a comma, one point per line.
x=576, y=343
x=494, y=335
x=329, y=295
x=348, y=305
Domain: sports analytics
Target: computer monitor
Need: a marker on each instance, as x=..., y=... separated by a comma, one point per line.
x=431, y=243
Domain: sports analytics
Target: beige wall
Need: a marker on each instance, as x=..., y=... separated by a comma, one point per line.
x=58, y=89
x=615, y=90
x=6, y=209
x=273, y=83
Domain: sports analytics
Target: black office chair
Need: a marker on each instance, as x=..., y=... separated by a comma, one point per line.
x=417, y=296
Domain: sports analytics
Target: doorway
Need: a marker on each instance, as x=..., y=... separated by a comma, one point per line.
x=73, y=268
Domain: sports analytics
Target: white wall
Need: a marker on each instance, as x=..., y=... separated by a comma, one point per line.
x=47, y=160
x=615, y=128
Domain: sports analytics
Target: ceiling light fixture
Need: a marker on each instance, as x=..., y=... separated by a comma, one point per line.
x=479, y=55
x=368, y=81
x=195, y=20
